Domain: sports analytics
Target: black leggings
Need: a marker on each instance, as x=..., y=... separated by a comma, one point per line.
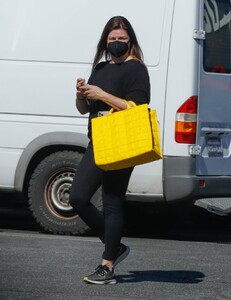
x=88, y=178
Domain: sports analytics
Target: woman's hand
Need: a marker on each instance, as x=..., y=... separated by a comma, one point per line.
x=80, y=82
x=81, y=99
x=93, y=92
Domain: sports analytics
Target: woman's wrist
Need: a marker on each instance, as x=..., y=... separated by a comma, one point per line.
x=80, y=97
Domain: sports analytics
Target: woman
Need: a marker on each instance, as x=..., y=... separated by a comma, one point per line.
x=122, y=76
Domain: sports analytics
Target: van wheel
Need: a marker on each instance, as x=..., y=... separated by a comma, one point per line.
x=49, y=190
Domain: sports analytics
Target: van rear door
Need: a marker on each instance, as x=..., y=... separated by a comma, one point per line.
x=214, y=100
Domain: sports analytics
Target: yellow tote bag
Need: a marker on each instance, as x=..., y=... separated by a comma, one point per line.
x=126, y=138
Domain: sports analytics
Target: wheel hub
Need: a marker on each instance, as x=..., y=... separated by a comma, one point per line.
x=58, y=193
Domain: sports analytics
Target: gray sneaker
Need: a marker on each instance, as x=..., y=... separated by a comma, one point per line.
x=102, y=275
x=121, y=255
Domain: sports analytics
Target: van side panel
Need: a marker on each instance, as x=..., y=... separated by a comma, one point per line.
x=20, y=131
x=46, y=46
x=57, y=139
x=182, y=81
x=147, y=179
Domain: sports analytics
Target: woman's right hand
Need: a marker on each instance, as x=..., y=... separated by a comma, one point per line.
x=80, y=82
x=81, y=103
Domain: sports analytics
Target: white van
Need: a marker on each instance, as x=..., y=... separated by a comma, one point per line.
x=46, y=45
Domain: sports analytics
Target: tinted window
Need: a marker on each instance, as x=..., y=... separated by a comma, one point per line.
x=217, y=45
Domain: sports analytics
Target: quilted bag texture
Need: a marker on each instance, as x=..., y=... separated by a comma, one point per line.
x=126, y=138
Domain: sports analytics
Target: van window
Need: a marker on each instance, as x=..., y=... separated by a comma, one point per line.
x=217, y=45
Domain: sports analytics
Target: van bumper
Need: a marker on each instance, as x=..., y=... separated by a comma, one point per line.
x=180, y=181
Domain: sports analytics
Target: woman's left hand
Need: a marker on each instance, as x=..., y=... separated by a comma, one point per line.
x=92, y=92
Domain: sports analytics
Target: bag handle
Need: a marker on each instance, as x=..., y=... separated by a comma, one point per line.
x=132, y=104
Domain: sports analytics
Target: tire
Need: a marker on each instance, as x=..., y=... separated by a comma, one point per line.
x=49, y=190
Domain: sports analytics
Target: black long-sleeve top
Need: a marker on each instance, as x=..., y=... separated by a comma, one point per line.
x=128, y=80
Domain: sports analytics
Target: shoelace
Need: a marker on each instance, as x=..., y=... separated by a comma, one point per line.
x=101, y=270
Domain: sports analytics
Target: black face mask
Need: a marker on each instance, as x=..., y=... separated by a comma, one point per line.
x=117, y=48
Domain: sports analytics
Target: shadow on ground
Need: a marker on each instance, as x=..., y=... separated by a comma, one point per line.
x=175, y=222
x=175, y=276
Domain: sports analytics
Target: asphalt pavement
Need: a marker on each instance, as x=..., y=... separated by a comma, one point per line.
x=179, y=254
x=42, y=266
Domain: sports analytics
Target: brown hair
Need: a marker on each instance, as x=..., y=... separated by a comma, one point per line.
x=117, y=22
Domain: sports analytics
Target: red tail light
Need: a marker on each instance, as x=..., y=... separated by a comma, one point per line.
x=186, y=122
